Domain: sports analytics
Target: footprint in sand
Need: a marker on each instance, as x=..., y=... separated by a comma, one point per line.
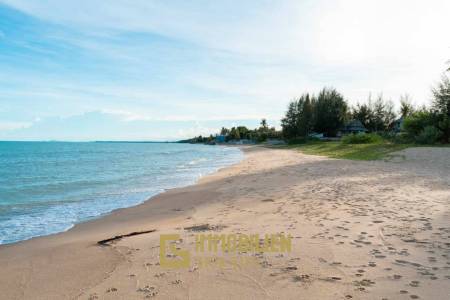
x=432, y=259
x=362, y=284
x=414, y=283
x=333, y=278
x=150, y=291
x=301, y=278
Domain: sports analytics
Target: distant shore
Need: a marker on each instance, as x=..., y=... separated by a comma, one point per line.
x=360, y=230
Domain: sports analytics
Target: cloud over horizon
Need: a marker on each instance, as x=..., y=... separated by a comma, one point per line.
x=200, y=62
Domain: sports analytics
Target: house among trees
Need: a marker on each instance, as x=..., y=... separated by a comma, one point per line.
x=354, y=126
x=397, y=125
x=221, y=138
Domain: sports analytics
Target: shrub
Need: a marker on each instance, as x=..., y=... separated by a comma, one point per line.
x=402, y=138
x=302, y=140
x=429, y=135
x=362, y=138
x=415, y=123
x=425, y=127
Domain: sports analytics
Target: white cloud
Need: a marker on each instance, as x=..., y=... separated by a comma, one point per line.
x=196, y=130
x=129, y=116
x=9, y=126
x=338, y=29
x=258, y=54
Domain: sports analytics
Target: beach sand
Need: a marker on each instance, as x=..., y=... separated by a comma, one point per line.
x=360, y=230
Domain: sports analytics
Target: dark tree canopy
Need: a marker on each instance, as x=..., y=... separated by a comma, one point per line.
x=406, y=107
x=375, y=116
x=441, y=106
x=330, y=112
x=325, y=114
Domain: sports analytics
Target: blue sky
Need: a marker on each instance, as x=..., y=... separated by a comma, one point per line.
x=164, y=70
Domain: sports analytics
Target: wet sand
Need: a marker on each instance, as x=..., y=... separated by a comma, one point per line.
x=361, y=230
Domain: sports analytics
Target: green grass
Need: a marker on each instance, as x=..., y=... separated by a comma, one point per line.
x=333, y=149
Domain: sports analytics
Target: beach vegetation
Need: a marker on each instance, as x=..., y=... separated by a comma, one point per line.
x=328, y=115
x=441, y=107
x=240, y=133
x=356, y=151
x=431, y=125
x=376, y=116
x=406, y=106
x=362, y=138
x=330, y=112
x=324, y=113
x=429, y=135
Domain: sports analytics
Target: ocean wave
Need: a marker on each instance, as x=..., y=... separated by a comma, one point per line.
x=106, y=177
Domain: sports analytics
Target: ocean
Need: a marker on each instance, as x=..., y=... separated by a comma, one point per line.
x=47, y=187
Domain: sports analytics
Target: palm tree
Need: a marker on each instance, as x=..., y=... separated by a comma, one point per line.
x=264, y=124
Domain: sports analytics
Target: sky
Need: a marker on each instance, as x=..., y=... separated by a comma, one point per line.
x=167, y=70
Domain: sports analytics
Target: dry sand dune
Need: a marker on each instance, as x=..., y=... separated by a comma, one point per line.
x=361, y=230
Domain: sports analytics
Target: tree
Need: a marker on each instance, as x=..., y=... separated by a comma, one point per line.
x=378, y=114
x=418, y=126
x=289, y=122
x=375, y=116
x=330, y=112
x=305, y=120
x=299, y=120
x=234, y=134
x=224, y=131
x=389, y=115
x=363, y=113
x=243, y=132
x=262, y=133
x=406, y=107
x=264, y=124
x=441, y=105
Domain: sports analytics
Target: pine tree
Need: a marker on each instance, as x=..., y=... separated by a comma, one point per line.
x=441, y=105
x=406, y=107
x=330, y=112
x=289, y=122
x=305, y=120
x=363, y=113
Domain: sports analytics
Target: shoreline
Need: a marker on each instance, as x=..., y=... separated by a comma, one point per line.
x=91, y=231
x=345, y=217
x=102, y=215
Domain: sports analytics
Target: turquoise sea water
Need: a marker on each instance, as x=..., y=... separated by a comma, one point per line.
x=47, y=187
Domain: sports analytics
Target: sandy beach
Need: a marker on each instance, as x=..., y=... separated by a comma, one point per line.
x=360, y=230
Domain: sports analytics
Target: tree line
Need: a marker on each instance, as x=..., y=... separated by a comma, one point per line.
x=260, y=134
x=428, y=125
x=324, y=113
x=327, y=113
